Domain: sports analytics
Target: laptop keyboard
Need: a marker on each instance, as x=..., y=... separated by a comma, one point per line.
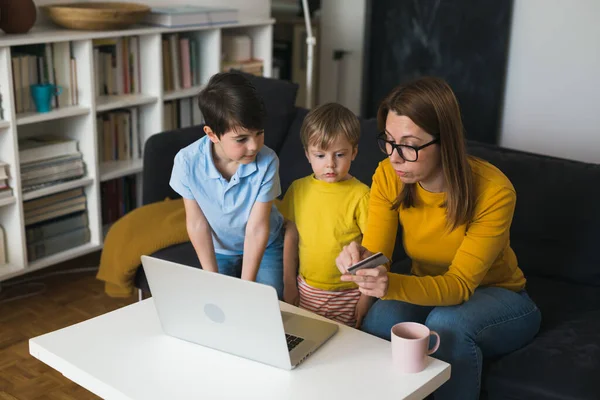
x=292, y=341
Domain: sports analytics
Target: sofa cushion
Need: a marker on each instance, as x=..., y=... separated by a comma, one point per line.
x=279, y=97
x=559, y=300
x=561, y=363
x=292, y=161
x=556, y=227
x=159, y=153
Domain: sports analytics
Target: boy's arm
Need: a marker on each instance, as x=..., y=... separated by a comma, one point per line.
x=290, y=254
x=257, y=236
x=199, y=231
x=290, y=263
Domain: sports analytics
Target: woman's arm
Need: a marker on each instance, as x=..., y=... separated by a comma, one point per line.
x=379, y=233
x=486, y=237
x=199, y=231
x=257, y=236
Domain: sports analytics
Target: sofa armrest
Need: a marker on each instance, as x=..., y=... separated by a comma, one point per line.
x=159, y=154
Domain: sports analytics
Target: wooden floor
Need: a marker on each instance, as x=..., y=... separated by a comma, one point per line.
x=67, y=299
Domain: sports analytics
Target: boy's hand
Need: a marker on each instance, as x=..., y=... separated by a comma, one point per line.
x=290, y=294
x=362, y=307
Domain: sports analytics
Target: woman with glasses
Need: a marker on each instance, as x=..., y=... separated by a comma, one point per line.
x=455, y=211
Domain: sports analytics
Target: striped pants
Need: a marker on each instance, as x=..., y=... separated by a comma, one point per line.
x=338, y=306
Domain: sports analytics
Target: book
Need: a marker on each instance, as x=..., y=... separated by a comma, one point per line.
x=81, y=206
x=45, y=147
x=51, y=199
x=38, y=232
x=58, y=243
x=50, y=208
x=2, y=247
x=188, y=15
x=3, y=170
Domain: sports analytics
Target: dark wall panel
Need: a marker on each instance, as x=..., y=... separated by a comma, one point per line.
x=462, y=41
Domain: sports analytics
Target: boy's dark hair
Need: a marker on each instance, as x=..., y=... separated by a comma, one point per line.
x=230, y=101
x=325, y=123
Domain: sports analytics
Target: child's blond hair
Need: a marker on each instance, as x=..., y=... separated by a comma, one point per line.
x=326, y=123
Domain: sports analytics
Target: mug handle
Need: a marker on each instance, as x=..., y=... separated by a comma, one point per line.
x=58, y=90
x=437, y=344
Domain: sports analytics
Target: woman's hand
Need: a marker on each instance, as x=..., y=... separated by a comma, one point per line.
x=371, y=282
x=350, y=255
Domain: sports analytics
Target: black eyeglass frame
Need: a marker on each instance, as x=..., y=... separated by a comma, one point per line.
x=397, y=147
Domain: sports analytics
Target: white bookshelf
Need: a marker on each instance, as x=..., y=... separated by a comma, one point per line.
x=64, y=112
x=79, y=122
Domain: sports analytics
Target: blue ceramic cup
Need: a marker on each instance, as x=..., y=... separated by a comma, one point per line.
x=42, y=96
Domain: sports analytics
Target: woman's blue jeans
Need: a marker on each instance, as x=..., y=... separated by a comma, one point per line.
x=270, y=271
x=493, y=322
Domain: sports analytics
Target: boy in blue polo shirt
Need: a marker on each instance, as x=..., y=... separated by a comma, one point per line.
x=228, y=180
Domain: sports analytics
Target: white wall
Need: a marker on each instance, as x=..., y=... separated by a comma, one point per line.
x=552, y=101
x=342, y=27
x=248, y=8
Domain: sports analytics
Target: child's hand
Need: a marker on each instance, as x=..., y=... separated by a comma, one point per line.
x=290, y=294
x=362, y=307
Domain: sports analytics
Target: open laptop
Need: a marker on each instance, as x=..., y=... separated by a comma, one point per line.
x=232, y=315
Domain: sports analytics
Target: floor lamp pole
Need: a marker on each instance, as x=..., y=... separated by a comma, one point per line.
x=311, y=41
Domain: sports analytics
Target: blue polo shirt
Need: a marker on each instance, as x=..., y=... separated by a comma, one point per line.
x=227, y=204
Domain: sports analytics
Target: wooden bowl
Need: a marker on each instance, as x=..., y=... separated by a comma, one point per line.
x=98, y=16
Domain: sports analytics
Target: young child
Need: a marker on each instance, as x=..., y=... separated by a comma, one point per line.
x=329, y=209
x=228, y=180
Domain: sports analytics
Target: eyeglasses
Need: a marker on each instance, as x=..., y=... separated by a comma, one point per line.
x=407, y=152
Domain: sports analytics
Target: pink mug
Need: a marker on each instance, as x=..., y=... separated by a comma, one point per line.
x=410, y=346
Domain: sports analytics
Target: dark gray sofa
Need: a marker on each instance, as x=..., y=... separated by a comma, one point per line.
x=555, y=234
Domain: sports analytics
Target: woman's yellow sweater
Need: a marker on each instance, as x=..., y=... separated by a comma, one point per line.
x=447, y=266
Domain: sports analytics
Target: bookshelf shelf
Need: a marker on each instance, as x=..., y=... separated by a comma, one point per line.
x=63, y=256
x=77, y=61
x=57, y=188
x=180, y=94
x=107, y=103
x=7, y=201
x=65, y=112
x=8, y=271
x=116, y=169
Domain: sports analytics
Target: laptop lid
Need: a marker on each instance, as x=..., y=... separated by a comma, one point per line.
x=218, y=311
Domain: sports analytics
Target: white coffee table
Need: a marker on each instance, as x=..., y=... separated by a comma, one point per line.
x=125, y=355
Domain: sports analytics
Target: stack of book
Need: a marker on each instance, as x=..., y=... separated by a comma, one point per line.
x=3, y=258
x=5, y=190
x=1, y=108
x=119, y=135
x=56, y=223
x=52, y=63
x=180, y=62
x=117, y=65
x=48, y=160
x=188, y=15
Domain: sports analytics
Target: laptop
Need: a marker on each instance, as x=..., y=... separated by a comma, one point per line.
x=231, y=315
